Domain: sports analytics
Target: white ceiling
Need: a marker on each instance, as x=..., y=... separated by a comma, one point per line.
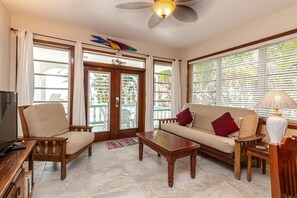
x=215, y=17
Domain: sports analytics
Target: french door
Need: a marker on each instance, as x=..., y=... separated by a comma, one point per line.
x=115, y=101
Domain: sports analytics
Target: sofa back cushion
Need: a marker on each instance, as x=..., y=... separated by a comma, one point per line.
x=205, y=114
x=46, y=120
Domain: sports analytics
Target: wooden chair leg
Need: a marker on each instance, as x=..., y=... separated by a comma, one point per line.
x=63, y=169
x=90, y=150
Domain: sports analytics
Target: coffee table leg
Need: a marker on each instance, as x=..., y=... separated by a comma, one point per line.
x=193, y=163
x=170, y=172
x=140, y=149
x=249, y=177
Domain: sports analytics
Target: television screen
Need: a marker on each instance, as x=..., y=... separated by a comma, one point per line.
x=8, y=119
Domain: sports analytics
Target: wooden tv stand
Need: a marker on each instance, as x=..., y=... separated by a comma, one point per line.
x=12, y=171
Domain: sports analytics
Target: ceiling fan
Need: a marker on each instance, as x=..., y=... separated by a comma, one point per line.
x=163, y=9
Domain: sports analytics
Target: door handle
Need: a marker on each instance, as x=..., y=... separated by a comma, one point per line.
x=117, y=101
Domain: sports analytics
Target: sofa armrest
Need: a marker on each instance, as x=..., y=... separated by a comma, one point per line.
x=250, y=138
x=240, y=153
x=80, y=128
x=167, y=120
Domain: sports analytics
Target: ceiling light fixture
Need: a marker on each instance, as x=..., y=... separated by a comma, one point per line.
x=164, y=8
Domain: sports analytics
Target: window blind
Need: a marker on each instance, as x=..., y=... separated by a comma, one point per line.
x=242, y=78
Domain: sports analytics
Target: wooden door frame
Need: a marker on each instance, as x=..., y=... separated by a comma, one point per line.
x=115, y=85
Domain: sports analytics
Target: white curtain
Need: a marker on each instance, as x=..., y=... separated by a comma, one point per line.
x=25, y=70
x=149, y=110
x=176, y=89
x=79, y=116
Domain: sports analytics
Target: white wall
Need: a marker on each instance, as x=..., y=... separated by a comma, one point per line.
x=5, y=20
x=66, y=32
x=268, y=26
x=61, y=31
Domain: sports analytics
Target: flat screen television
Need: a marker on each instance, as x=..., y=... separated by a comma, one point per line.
x=8, y=120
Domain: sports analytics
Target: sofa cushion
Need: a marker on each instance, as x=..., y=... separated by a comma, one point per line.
x=184, y=117
x=77, y=140
x=207, y=138
x=224, y=125
x=205, y=114
x=46, y=120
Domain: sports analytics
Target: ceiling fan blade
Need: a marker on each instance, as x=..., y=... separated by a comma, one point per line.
x=182, y=1
x=185, y=14
x=134, y=5
x=154, y=21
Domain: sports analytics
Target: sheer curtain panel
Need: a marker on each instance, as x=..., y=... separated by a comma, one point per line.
x=149, y=112
x=79, y=113
x=176, y=89
x=25, y=70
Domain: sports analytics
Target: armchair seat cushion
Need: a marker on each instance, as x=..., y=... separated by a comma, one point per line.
x=77, y=140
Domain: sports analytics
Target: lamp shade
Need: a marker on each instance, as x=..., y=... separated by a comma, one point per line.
x=164, y=8
x=278, y=100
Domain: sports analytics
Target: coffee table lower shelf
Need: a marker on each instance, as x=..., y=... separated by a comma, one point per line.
x=171, y=147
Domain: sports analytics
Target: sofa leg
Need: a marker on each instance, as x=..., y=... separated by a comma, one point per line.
x=237, y=161
x=90, y=150
x=63, y=170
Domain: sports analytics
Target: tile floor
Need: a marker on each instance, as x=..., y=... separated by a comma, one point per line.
x=119, y=173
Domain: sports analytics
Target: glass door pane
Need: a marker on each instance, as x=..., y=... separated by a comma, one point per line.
x=99, y=100
x=129, y=101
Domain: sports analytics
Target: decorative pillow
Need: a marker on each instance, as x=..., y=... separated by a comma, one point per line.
x=224, y=125
x=193, y=114
x=184, y=117
x=235, y=134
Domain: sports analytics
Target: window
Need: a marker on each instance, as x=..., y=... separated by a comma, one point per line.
x=204, y=86
x=242, y=78
x=112, y=59
x=162, y=91
x=51, y=75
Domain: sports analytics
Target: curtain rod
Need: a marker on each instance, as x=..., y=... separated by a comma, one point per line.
x=93, y=45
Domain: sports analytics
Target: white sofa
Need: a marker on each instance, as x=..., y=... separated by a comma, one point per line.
x=230, y=149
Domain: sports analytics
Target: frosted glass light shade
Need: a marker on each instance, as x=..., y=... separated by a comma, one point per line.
x=164, y=8
x=278, y=100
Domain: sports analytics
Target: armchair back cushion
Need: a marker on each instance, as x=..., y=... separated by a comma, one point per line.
x=205, y=114
x=46, y=120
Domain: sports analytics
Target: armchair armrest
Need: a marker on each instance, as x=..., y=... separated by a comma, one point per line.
x=42, y=139
x=80, y=128
x=167, y=120
x=48, y=148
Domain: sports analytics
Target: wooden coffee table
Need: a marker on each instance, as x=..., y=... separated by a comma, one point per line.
x=171, y=147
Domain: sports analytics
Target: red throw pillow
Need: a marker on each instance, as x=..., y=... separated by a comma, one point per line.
x=224, y=125
x=184, y=117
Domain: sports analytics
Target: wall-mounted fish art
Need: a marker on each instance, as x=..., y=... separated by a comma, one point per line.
x=113, y=44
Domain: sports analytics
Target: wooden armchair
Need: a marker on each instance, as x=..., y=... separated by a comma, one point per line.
x=56, y=140
x=241, y=145
x=283, y=168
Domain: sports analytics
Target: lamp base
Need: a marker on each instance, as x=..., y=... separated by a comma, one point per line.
x=276, y=127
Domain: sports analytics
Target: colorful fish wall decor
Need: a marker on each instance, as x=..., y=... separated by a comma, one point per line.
x=113, y=44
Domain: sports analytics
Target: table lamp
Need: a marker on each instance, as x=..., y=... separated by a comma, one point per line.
x=276, y=124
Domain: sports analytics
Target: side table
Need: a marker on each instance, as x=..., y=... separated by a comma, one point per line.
x=252, y=151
